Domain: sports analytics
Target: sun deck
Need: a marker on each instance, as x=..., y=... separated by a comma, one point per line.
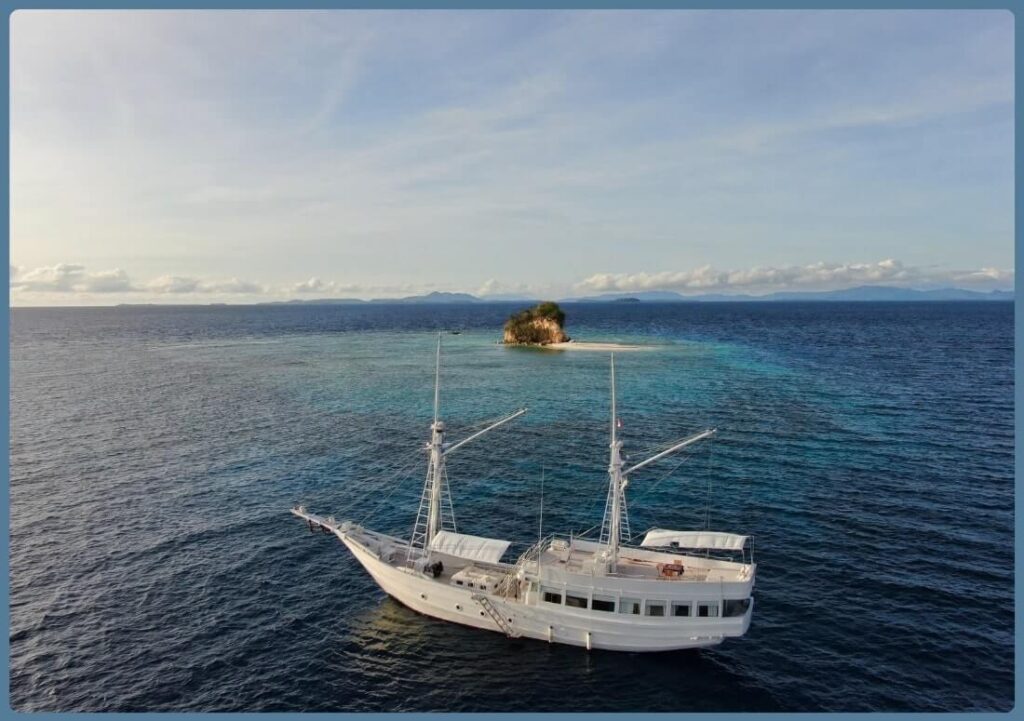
x=584, y=558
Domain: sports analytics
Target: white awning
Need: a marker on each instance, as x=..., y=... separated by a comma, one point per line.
x=474, y=548
x=694, y=539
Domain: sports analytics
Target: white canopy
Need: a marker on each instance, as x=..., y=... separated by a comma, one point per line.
x=474, y=548
x=694, y=539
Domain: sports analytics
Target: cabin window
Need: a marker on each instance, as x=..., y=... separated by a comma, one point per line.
x=707, y=610
x=459, y=583
x=736, y=607
x=603, y=603
x=629, y=605
x=575, y=601
x=552, y=595
x=680, y=609
x=655, y=608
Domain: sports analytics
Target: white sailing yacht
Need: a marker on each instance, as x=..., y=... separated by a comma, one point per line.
x=675, y=590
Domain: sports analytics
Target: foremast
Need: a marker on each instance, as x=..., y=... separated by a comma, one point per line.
x=615, y=525
x=436, y=511
x=435, y=469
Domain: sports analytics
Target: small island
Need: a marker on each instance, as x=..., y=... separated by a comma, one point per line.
x=541, y=325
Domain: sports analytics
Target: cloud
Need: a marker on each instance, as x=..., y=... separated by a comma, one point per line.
x=493, y=287
x=173, y=284
x=231, y=286
x=108, y=281
x=332, y=288
x=984, y=275
x=69, y=283
x=68, y=278
x=818, y=276
x=313, y=285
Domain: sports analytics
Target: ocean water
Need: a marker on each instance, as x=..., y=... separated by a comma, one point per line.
x=155, y=453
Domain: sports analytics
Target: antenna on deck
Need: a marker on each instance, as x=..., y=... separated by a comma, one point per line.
x=540, y=526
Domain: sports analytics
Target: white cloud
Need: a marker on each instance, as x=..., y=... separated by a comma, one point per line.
x=231, y=286
x=313, y=285
x=816, y=276
x=173, y=284
x=107, y=281
x=493, y=287
x=983, y=275
x=69, y=278
x=68, y=283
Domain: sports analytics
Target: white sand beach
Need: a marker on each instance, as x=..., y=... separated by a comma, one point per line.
x=603, y=347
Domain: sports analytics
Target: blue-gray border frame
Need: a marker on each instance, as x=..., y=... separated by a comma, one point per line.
x=11, y=7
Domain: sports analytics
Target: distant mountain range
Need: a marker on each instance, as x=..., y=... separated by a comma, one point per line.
x=860, y=293
x=435, y=297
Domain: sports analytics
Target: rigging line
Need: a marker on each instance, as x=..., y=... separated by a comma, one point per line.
x=652, y=448
x=448, y=495
x=657, y=521
x=401, y=475
x=480, y=424
x=707, y=507
x=648, y=491
x=379, y=505
x=540, y=524
x=386, y=479
x=597, y=499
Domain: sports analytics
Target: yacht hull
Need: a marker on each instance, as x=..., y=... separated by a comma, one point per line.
x=554, y=624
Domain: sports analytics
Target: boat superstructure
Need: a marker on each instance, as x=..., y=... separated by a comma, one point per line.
x=674, y=590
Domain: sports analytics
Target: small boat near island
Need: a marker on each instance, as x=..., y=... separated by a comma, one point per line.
x=673, y=590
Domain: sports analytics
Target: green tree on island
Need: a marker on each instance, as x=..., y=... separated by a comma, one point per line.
x=539, y=325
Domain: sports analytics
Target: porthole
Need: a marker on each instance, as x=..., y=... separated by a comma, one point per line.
x=458, y=607
x=423, y=596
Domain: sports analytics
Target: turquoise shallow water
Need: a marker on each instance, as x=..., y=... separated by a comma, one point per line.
x=156, y=451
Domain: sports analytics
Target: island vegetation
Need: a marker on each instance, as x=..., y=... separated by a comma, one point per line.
x=542, y=324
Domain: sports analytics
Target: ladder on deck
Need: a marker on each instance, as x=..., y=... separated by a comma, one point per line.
x=624, y=533
x=492, y=611
x=418, y=539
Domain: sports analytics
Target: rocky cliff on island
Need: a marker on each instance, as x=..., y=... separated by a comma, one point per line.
x=540, y=325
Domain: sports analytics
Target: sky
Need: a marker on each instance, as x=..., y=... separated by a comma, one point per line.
x=195, y=157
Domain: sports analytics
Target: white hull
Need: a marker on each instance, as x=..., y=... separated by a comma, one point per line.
x=544, y=622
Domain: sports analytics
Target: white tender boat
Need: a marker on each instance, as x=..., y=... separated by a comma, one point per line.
x=676, y=590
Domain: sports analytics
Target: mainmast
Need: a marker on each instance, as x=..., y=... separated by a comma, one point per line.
x=618, y=479
x=617, y=483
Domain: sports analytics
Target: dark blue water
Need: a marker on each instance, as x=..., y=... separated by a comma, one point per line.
x=155, y=453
